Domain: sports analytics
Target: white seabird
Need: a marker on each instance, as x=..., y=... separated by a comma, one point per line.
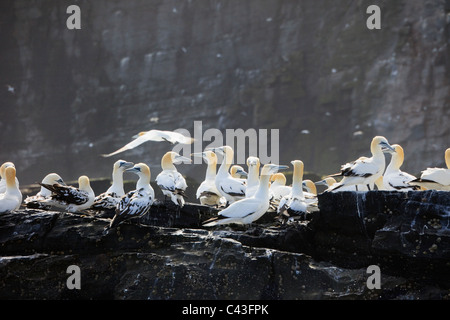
x=248, y=210
x=278, y=188
x=207, y=192
x=170, y=181
x=42, y=199
x=435, y=178
x=231, y=188
x=11, y=199
x=394, y=178
x=364, y=171
x=330, y=182
x=294, y=204
x=138, y=202
x=71, y=198
x=109, y=199
x=310, y=194
x=2, y=176
x=253, y=164
x=153, y=135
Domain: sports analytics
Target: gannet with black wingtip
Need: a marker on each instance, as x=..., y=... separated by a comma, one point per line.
x=71, y=198
x=278, y=188
x=170, y=181
x=435, y=178
x=207, y=192
x=294, y=204
x=231, y=188
x=253, y=164
x=42, y=199
x=138, y=202
x=2, y=176
x=248, y=210
x=153, y=135
x=109, y=199
x=11, y=199
x=394, y=178
x=364, y=171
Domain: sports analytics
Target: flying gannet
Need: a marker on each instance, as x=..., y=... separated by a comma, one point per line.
x=170, y=181
x=2, y=176
x=294, y=204
x=207, y=192
x=109, y=199
x=435, y=178
x=153, y=135
x=42, y=199
x=71, y=198
x=248, y=210
x=135, y=203
x=231, y=188
x=11, y=199
x=364, y=171
x=394, y=178
x=253, y=164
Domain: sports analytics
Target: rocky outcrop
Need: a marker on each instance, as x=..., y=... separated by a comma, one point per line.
x=168, y=256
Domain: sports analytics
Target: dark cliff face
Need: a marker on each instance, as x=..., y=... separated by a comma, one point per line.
x=287, y=65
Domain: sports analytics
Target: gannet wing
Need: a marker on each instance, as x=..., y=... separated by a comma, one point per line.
x=68, y=194
x=363, y=167
x=166, y=181
x=241, y=208
x=233, y=187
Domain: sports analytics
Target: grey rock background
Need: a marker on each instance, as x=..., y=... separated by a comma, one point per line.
x=290, y=65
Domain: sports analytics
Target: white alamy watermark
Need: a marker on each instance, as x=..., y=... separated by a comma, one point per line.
x=261, y=143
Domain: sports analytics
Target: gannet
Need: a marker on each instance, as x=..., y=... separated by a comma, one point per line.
x=238, y=172
x=394, y=178
x=135, y=203
x=12, y=198
x=170, y=181
x=231, y=188
x=109, y=199
x=330, y=181
x=248, y=210
x=253, y=164
x=278, y=188
x=435, y=178
x=42, y=199
x=207, y=192
x=310, y=193
x=364, y=171
x=2, y=176
x=153, y=135
x=294, y=204
x=71, y=198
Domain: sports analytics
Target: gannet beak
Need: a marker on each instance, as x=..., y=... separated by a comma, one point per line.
x=241, y=172
x=61, y=182
x=133, y=169
x=198, y=154
x=320, y=183
x=386, y=147
x=180, y=159
x=282, y=167
x=216, y=150
x=126, y=165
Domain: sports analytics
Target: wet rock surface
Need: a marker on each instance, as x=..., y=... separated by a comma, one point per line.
x=166, y=255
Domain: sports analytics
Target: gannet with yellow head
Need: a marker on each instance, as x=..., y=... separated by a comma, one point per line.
x=435, y=178
x=294, y=204
x=11, y=199
x=42, y=199
x=278, y=188
x=231, y=188
x=207, y=192
x=170, y=181
x=109, y=199
x=248, y=210
x=71, y=198
x=394, y=178
x=153, y=135
x=2, y=176
x=253, y=164
x=364, y=171
x=138, y=202
x=238, y=172
x=310, y=195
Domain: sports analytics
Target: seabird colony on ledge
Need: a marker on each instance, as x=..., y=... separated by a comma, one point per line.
x=241, y=197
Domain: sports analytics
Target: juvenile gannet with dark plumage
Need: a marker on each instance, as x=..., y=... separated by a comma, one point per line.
x=435, y=178
x=207, y=192
x=294, y=204
x=278, y=188
x=171, y=182
x=42, y=199
x=364, y=171
x=231, y=188
x=2, y=176
x=394, y=178
x=138, y=202
x=248, y=210
x=109, y=199
x=71, y=198
x=11, y=199
x=253, y=164
x=153, y=135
